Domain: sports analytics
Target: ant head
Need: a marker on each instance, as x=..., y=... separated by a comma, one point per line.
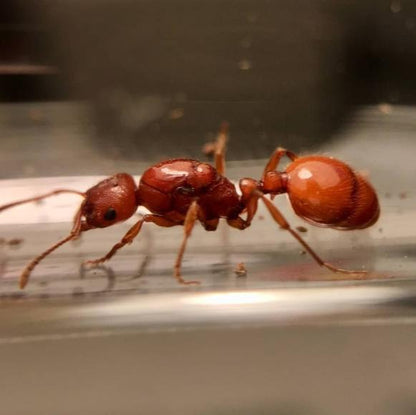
x=110, y=201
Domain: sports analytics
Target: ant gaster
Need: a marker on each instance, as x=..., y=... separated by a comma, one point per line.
x=322, y=190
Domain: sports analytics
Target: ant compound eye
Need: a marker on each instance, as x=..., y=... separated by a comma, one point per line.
x=111, y=214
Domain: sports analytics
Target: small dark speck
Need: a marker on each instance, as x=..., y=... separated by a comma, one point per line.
x=302, y=252
x=15, y=242
x=380, y=230
x=17, y=295
x=78, y=291
x=387, y=195
x=44, y=296
x=403, y=195
x=208, y=149
x=301, y=229
x=240, y=270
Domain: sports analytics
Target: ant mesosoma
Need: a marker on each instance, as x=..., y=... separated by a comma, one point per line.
x=322, y=190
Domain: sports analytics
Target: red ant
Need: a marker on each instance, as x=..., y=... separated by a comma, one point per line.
x=322, y=190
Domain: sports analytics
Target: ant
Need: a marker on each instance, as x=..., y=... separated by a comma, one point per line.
x=322, y=190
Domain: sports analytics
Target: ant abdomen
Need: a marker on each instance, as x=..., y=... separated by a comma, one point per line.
x=327, y=192
x=366, y=209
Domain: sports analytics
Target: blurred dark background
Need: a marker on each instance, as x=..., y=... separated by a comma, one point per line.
x=156, y=74
x=93, y=87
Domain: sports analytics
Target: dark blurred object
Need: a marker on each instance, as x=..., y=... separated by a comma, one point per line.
x=161, y=74
x=28, y=70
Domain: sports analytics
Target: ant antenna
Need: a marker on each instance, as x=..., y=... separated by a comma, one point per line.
x=75, y=232
x=37, y=198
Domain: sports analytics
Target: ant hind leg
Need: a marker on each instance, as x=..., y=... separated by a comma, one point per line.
x=280, y=219
x=275, y=159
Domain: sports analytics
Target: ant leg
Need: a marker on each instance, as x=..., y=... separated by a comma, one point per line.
x=249, y=199
x=218, y=148
x=130, y=235
x=190, y=219
x=37, y=198
x=280, y=219
x=127, y=239
x=275, y=159
x=148, y=249
x=74, y=234
x=208, y=224
x=238, y=223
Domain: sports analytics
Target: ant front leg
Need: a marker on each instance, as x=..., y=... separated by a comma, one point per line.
x=127, y=239
x=130, y=235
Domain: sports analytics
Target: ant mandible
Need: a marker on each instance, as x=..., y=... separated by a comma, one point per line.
x=322, y=190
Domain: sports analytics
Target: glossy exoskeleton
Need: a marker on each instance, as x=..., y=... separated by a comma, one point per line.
x=322, y=190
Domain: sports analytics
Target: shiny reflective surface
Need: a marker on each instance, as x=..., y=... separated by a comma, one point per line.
x=156, y=79
x=287, y=338
x=328, y=192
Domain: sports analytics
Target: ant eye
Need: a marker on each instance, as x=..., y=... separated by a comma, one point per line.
x=111, y=214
